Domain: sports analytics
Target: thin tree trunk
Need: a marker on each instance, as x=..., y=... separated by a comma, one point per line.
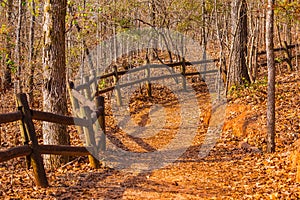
x=288, y=29
x=255, y=59
x=220, y=40
x=7, y=82
x=31, y=52
x=18, y=47
x=115, y=42
x=271, y=77
x=204, y=39
x=152, y=9
x=54, y=66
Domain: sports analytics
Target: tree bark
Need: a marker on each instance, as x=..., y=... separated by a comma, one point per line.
x=18, y=47
x=31, y=52
x=54, y=66
x=7, y=82
x=288, y=28
x=152, y=8
x=238, y=72
x=204, y=39
x=271, y=77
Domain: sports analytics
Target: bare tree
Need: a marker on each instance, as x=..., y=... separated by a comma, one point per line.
x=9, y=63
x=288, y=26
x=271, y=77
x=18, y=46
x=31, y=51
x=238, y=71
x=54, y=66
x=204, y=38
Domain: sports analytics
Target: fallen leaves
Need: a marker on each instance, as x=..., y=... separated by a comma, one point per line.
x=232, y=170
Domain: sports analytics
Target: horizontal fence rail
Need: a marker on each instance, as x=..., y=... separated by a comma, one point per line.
x=15, y=152
x=59, y=119
x=10, y=117
x=279, y=49
x=86, y=85
x=155, y=78
x=65, y=150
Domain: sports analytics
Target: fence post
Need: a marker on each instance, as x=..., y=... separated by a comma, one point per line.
x=75, y=105
x=101, y=119
x=90, y=137
x=287, y=56
x=183, y=70
x=148, y=82
x=94, y=85
x=183, y=66
x=116, y=82
x=87, y=91
x=36, y=158
x=25, y=140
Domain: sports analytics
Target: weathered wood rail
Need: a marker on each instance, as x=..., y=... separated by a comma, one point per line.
x=115, y=73
x=32, y=150
x=292, y=46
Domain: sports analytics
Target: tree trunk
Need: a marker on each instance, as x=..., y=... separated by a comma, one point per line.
x=31, y=53
x=152, y=9
x=204, y=39
x=288, y=28
x=18, y=47
x=54, y=66
x=238, y=72
x=9, y=63
x=271, y=77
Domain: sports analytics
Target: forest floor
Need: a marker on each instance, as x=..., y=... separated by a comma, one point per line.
x=237, y=167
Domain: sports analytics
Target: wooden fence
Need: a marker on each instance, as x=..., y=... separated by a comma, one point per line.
x=288, y=57
x=82, y=94
x=90, y=87
x=32, y=150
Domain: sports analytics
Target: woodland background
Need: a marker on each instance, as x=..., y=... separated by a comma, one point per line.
x=237, y=167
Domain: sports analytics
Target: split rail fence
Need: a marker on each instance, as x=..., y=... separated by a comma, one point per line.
x=90, y=88
x=32, y=150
